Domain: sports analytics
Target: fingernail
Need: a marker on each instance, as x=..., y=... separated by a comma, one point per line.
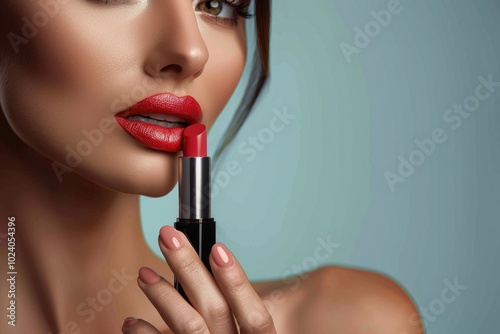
x=170, y=237
x=222, y=256
x=148, y=276
x=129, y=322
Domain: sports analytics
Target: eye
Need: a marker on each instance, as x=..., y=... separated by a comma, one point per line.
x=218, y=8
x=225, y=11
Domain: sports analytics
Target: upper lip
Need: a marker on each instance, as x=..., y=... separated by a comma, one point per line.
x=185, y=107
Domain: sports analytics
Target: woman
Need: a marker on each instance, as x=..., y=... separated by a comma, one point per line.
x=71, y=178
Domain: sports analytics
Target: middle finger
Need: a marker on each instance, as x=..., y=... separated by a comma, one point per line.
x=197, y=282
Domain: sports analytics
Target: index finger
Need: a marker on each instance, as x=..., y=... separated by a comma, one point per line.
x=247, y=306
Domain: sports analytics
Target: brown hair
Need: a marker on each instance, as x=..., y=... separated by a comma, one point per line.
x=258, y=74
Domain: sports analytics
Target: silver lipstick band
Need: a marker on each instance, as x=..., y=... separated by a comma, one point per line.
x=194, y=188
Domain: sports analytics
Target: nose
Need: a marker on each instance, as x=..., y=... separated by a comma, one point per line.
x=178, y=49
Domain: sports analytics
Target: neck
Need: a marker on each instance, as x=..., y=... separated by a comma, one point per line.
x=72, y=237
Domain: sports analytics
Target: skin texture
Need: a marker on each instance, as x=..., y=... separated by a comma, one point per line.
x=80, y=241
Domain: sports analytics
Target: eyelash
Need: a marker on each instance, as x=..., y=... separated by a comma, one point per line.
x=241, y=9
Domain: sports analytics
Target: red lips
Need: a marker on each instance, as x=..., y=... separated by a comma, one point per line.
x=156, y=136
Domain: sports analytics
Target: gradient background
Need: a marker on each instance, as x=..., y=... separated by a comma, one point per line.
x=323, y=175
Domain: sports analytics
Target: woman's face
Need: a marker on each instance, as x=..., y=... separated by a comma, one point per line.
x=72, y=65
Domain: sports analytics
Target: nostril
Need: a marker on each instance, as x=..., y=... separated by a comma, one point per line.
x=172, y=68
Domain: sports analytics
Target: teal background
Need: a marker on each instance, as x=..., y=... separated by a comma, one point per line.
x=323, y=175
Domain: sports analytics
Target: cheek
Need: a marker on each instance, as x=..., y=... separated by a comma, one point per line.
x=222, y=72
x=57, y=86
x=69, y=77
x=61, y=96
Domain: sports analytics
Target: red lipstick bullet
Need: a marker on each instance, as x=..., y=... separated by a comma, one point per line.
x=195, y=141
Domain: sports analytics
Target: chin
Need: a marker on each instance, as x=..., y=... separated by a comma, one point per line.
x=150, y=186
x=153, y=188
x=149, y=173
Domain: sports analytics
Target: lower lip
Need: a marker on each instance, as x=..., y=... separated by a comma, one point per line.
x=153, y=136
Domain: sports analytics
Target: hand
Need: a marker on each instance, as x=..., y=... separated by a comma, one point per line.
x=225, y=303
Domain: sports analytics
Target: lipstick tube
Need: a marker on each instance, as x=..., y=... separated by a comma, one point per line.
x=195, y=219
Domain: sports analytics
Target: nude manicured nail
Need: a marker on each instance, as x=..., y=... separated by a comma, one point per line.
x=221, y=256
x=148, y=276
x=170, y=237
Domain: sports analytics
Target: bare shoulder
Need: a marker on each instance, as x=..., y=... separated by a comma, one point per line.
x=334, y=299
